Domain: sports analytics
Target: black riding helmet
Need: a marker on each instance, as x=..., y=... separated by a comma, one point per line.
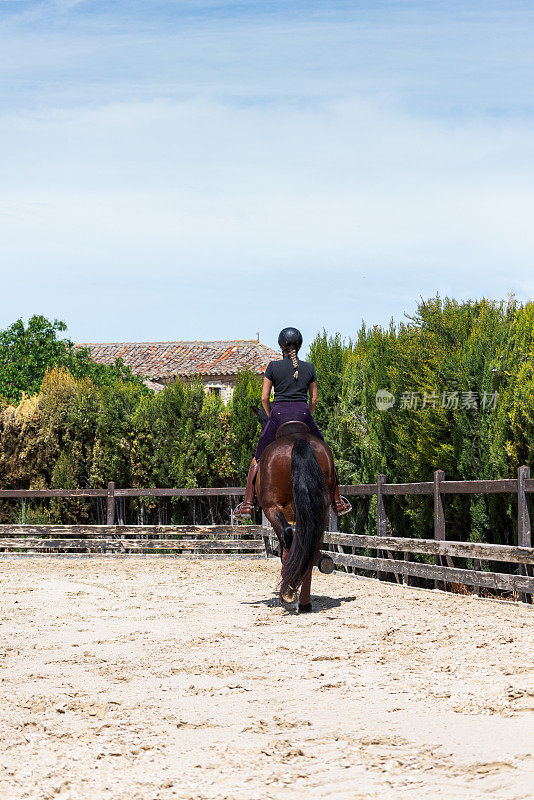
x=290, y=337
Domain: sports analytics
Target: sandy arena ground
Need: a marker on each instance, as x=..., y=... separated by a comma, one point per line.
x=158, y=678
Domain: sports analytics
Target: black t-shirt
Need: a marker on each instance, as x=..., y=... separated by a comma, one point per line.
x=286, y=388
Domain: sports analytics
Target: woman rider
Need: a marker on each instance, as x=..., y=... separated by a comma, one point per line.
x=292, y=380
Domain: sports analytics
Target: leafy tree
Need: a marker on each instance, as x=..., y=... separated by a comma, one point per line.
x=479, y=347
x=328, y=354
x=244, y=426
x=28, y=351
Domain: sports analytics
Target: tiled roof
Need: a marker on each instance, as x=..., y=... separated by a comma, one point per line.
x=170, y=359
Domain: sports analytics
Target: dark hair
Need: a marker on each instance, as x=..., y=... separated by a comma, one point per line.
x=292, y=353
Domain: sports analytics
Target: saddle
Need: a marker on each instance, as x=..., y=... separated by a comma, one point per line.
x=293, y=426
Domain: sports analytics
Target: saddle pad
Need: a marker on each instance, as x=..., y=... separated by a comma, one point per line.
x=293, y=426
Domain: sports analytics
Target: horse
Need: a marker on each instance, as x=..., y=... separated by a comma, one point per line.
x=294, y=486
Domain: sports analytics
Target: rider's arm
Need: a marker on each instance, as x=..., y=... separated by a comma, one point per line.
x=266, y=395
x=314, y=395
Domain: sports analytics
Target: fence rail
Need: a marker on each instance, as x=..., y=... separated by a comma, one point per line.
x=521, y=556
x=222, y=491
x=498, y=486
x=176, y=540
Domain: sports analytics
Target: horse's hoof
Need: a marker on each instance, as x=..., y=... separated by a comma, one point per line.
x=289, y=596
x=305, y=608
x=325, y=565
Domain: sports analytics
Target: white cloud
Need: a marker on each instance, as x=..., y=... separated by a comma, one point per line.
x=208, y=186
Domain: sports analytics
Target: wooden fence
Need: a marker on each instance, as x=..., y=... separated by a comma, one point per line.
x=191, y=541
x=111, y=494
x=245, y=541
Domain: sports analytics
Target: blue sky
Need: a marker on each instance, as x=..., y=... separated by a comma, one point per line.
x=184, y=170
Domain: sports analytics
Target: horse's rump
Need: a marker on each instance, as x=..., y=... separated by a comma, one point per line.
x=296, y=483
x=274, y=485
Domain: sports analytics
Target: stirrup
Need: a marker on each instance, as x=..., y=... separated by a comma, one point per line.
x=244, y=510
x=345, y=507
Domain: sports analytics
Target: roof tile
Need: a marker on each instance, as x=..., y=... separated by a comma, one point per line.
x=172, y=359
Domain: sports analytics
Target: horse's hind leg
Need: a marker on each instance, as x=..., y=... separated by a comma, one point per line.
x=305, y=591
x=287, y=532
x=282, y=528
x=305, y=605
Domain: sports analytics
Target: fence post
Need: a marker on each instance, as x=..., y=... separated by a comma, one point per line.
x=332, y=523
x=332, y=520
x=524, y=527
x=381, y=521
x=439, y=520
x=111, y=504
x=266, y=529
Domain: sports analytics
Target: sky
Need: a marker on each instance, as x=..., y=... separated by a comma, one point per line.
x=173, y=169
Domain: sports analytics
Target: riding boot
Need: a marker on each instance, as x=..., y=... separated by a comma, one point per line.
x=244, y=510
x=340, y=504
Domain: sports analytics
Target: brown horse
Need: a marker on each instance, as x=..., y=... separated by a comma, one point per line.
x=294, y=486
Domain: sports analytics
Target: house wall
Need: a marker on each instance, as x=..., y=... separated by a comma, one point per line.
x=223, y=385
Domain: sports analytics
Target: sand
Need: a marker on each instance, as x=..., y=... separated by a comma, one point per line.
x=157, y=678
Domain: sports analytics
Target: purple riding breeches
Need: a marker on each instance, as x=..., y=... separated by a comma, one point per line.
x=285, y=412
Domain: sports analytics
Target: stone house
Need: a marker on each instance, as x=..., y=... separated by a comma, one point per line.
x=216, y=364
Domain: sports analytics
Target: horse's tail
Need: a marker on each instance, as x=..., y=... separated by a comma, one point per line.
x=310, y=516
